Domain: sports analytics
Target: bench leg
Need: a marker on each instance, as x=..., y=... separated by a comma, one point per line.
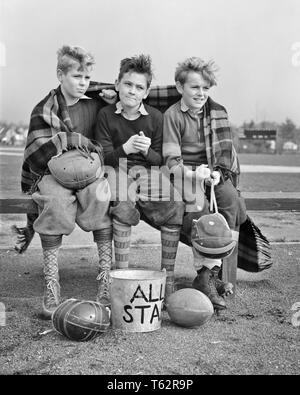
x=229, y=269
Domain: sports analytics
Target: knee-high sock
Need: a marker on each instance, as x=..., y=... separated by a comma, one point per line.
x=51, y=245
x=169, y=247
x=122, y=238
x=51, y=265
x=103, y=239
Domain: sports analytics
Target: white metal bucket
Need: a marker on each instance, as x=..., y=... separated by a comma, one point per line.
x=136, y=299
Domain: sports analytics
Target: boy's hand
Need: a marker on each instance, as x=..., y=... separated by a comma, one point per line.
x=108, y=95
x=129, y=146
x=214, y=178
x=203, y=172
x=142, y=143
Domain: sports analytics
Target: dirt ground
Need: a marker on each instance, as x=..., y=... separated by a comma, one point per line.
x=258, y=334
x=254, y=336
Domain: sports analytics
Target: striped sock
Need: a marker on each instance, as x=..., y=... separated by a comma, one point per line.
x=122, y=238
x=169, y=243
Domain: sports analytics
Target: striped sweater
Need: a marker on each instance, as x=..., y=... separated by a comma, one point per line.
x=181, y=144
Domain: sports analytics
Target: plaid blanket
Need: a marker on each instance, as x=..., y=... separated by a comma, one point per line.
x=220, y=150
x=160, y=96
x=50, y=133
x=254, y=250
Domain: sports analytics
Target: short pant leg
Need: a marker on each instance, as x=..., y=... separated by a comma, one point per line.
x=157, y=199
x=93, y=206
x=123, y=207
x=57, y=208
x=230, y=204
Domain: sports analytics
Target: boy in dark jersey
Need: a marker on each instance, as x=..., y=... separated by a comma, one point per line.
x=130, y=133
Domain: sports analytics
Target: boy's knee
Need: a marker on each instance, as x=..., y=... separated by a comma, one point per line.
x=125, y=212
x=50, y=241
x=178, y=212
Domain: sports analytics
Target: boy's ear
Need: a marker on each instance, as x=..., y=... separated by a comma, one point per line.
x=117, y=85
x=146, y=94
x=179, y=87
x=59, y=74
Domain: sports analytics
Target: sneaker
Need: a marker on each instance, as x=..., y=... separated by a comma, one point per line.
x=51, y=299
x=103, y=294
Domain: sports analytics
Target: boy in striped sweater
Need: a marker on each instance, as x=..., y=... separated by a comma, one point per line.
x=196, y=138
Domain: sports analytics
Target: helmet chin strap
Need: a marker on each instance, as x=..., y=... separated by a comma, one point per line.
x=213, y=201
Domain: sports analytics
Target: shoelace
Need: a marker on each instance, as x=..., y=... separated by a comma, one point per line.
x=211, y=285
x=51, y=272
x=53, y=291
x=105, y=280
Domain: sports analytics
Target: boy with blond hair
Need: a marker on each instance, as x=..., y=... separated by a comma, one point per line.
x=197, y=135
x=64, y=120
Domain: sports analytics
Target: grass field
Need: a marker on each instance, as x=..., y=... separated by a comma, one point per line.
x=269, y=159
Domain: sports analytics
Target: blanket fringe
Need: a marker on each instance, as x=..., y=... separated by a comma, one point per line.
x=254, y=251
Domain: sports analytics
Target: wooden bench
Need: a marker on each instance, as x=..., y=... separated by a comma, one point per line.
x=18, y=203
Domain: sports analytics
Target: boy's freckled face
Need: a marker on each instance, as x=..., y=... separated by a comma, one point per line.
x=194, y=91
x=132, y=89
x=75, y=82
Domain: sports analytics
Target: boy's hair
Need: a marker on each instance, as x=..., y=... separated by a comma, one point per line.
x=206, y=69
x=68, y=56
x=140, y=64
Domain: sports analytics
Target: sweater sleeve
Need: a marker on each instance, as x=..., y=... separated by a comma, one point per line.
x=154, y=156
x=102, y=135
x=172, y=143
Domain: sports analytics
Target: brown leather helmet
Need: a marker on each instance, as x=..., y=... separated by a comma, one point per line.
x=81, y=320
x=75, y=169
x=211, y=236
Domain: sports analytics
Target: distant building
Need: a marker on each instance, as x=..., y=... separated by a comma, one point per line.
x=290, y=146
x=257, y=141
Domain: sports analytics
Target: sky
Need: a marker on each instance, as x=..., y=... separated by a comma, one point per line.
x=256, y=45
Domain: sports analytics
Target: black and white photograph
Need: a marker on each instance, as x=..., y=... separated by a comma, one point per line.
x=149, y=190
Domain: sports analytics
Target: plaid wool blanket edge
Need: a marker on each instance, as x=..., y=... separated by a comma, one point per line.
x=50, y=133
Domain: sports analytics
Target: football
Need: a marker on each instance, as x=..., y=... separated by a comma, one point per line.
x=81, y=320
x=189, y=307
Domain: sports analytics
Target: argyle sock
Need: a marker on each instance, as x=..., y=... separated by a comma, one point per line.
x=103, y=239
x=50, y=264
x=169, y=244
x=51, y=297
x=122, y=238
